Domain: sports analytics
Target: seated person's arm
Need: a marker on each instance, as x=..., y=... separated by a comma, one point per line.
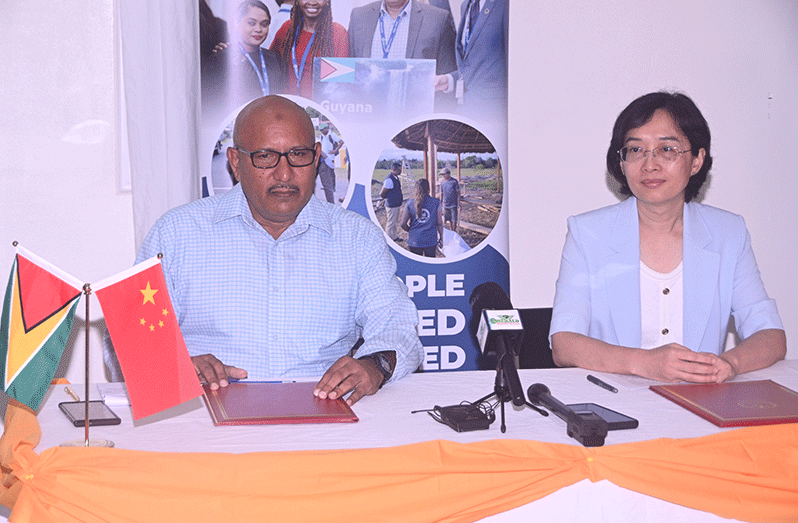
x=208, y=367
x=670, y=362
x=387, y=319
x=761, y=349
x=572, y=347
x=214, y=372
x=362, y=375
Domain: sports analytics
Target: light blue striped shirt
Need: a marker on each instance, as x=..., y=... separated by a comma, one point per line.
x=285, y=307
x=398, y=48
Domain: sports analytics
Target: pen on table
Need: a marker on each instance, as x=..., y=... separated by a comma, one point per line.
x=72, y=393
x=602, y=384
x=237, y=380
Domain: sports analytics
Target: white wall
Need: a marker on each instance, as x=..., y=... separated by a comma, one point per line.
x=58, y=194
x=575, y=65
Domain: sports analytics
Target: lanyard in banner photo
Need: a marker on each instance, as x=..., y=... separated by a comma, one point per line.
x=263, y=77
x=299, y=70
x=386, y=46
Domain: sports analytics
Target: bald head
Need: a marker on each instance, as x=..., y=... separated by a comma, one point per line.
x=274, y=110
x=276, y=195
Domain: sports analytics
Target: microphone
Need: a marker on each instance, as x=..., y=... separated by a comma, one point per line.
x=588, y=428
x=498, y=329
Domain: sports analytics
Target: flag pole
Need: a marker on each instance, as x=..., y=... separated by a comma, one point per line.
x=87, y=294
x=87, y=420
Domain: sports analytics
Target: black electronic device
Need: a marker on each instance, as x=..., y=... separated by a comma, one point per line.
x=99, y=413
x=615, y=420
x=587, y=427
x=498, y=329
x=463, y=418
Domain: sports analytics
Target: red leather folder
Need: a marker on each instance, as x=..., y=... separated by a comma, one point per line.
x=736, y=403
x=259, y=403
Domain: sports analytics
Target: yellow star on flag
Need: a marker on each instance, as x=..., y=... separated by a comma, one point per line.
x=149, y=294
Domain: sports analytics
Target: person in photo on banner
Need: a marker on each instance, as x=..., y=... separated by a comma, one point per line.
x=399, y=29
x=243, y=70
x=331, y=145
x=309, y=33
x=280, y=17
x=450, y=195
x=481, y=49
x=268, y=282
x=648, y=286
x=422, y=218
x=391, y=192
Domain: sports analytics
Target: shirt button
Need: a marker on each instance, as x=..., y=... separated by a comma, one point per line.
x=665, y=332
x=666, y=291
x=275, y=337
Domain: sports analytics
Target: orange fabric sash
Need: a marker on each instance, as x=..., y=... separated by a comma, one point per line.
x=749, y=474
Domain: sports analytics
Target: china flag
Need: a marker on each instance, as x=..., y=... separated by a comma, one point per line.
x=154, y=359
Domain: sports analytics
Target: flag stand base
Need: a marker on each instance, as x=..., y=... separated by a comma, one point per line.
x=90, y=443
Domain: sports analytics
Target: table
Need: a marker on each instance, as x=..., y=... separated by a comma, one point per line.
x=500, y=473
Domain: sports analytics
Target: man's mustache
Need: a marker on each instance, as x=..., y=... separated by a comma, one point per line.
x=283, y=187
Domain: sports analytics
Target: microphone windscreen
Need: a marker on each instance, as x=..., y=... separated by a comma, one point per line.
x=535, y=391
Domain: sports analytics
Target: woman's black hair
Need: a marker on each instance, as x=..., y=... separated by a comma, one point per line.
x=246, y=5
x=687, y=118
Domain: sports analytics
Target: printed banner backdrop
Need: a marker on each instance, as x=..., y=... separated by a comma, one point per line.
x=418, y=97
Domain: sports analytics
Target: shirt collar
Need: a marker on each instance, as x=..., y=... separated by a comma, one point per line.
x=233, y=204
x=405, y=10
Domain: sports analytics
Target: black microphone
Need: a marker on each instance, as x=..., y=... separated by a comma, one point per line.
x=498, y=329
x=587, y=428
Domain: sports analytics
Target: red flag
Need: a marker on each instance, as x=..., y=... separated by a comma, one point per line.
x=149, y=345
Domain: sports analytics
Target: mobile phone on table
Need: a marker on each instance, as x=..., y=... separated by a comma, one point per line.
x=615, y=420
x=99, y=413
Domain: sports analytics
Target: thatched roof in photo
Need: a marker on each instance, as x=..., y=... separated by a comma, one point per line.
x=450, y=137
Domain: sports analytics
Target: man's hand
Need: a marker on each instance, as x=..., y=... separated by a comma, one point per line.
x=362, y=377
x=442, y=83
x=674, y=362
x=214, y=372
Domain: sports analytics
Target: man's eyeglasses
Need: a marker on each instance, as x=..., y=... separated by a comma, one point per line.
x=634, y=154
x=268, y=159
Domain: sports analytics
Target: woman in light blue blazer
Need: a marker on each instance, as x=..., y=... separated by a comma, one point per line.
x=647, y=286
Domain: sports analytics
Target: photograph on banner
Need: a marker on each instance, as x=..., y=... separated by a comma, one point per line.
x=358, y=59
x=372, y=74
x=438, y=190
x=332, y=182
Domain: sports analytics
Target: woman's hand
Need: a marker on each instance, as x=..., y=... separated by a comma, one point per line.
x=724, y=370
x=674, y=362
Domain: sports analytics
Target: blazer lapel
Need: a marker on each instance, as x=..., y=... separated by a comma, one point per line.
x=413, y=28
x=701, y=267
x=485, y=12
x=622, y=275
x=367, y=30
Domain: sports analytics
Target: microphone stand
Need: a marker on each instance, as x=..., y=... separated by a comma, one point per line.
x=502, y=392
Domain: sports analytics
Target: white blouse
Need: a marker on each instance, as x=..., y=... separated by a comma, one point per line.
x=661, y=306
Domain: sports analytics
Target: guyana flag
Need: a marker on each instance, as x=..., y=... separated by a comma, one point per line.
x=38, y=310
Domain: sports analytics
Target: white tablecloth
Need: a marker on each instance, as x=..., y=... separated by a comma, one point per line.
x=386, y=420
